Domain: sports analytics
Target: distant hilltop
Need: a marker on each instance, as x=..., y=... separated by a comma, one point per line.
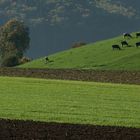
x=57, y=24
x=57, y=11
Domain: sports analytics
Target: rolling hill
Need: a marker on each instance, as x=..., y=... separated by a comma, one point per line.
x=56, y=24
x=98, y=56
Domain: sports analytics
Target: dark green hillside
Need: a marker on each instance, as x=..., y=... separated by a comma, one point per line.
x=94, y=56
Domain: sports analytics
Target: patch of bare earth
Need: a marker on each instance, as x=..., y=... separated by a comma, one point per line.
x=29, y=130
x=128, y=77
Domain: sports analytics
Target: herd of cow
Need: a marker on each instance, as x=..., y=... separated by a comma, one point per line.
x=125, y=43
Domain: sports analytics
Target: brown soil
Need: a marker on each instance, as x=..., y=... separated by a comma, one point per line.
x=69, y=74
x=29, y=130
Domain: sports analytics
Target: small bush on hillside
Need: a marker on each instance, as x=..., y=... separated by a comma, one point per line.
x=78, y=44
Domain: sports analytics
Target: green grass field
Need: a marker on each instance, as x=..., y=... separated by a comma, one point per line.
x=70, y=101
x=98, y=56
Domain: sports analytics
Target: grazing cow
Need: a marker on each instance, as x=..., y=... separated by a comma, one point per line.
x=47, y=59
x=116, y=47
x=124, y=43
x=137, y=35
x=127, y=35
x=137, y=44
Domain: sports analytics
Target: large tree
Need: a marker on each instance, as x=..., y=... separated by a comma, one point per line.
x=14, y=39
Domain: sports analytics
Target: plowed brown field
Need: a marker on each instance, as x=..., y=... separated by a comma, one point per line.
x=29, y=130
x=130, y=77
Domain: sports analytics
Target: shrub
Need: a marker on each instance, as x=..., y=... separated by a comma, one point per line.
x=10, y=61
x=78, y=44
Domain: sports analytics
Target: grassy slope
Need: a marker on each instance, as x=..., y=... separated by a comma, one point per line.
x=94, y=56
x=70, y=101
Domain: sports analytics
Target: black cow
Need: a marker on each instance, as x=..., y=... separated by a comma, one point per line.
x=137, y=44
x=47, y=59
x=116, y=47
x=127, y=35
x=137, y=35
x=124, y=43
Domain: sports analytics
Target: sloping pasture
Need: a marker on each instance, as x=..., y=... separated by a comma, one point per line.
x=97, y=56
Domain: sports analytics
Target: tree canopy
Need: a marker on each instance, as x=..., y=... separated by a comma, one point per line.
x=14, y=39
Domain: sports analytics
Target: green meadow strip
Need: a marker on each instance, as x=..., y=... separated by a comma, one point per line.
x=70, y=101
